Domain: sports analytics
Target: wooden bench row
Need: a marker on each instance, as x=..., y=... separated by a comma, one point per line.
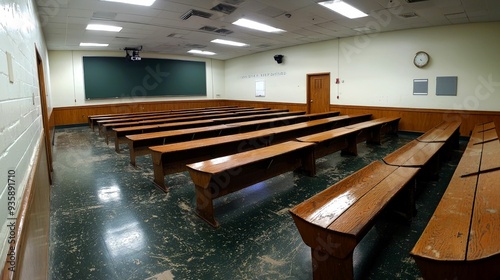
x=172, y=158
x=461, y=240
x=335, y=220
x=92, y=119
x=139, y=144
x=219, y=176
x=106, y=128
x=154, y=131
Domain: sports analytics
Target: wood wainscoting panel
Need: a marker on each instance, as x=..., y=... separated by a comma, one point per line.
x=32, y=224
x=421, y=120
x=78, y=114
x=265, y=104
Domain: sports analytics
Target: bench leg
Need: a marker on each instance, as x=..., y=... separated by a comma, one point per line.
x=352, y=146
x=328, y=267
x=309, y=163
x=374, y=136
x=117, y=145
x=205, y=206
x=159, y=177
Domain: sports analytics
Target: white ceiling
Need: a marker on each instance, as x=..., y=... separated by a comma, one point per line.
x=160, y=29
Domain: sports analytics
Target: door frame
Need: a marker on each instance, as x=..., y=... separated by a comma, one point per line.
x=309, y=76
x=44, y=109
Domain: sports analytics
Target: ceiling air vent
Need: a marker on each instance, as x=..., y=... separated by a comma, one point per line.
x=408, y=15
x=208, y=28
x=197, y=13
x=234, y=2
x=415, y=1
x=103, y=15
x=223, y=31
x=224, y=8
x=195, y=46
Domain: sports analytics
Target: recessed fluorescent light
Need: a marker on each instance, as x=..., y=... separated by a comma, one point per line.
x=201, y=52
x=93, y=45
x=134, y=2
x=343, y=8
x=227, y=42
x=102, y=27
x=256, y=25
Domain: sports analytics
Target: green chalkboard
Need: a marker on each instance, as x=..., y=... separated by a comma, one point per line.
x=117, y=77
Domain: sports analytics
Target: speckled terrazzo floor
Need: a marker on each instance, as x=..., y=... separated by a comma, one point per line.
x=108, y=221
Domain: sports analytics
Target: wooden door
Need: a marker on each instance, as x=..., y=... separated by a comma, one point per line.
x=318, y=93
x=45, y=115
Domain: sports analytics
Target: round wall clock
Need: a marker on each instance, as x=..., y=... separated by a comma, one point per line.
x=421, y=59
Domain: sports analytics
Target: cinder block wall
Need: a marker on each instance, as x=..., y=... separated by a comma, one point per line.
x=20, y=111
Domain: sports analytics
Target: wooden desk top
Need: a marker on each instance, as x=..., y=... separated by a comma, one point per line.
x=169, y=119
x=168, y=133
x=336, y=207
x=415, y=153
x=466, y=222
x=440, y=133
x=307, y=124
x=224, y=163
x=326, y=135
x=207, y=142
x=163, y=125
x=264, y=121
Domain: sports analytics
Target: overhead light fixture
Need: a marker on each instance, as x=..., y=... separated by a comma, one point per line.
x=93, y=45
x=133, y=2
x=256, y=25
x=227, y=42
x=343, y=8
x=201, y=52
x=102, y=27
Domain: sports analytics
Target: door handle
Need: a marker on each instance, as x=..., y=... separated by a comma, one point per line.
x=312, y=101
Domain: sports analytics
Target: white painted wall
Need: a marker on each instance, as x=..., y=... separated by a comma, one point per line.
x=68, y=85
x=20, y=121
x=378, y=70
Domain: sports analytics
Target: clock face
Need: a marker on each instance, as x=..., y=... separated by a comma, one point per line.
x=421, y=59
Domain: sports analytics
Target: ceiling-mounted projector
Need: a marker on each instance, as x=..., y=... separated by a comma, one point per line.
x=132, y=54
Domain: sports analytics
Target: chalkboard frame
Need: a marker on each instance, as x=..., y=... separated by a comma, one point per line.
x=116, y=77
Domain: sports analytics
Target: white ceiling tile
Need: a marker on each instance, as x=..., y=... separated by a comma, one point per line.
x=64, y=27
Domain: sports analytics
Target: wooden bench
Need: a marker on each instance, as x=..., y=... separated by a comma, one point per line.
x=172, y=112
x=446, y=132
x=425, y=151
x=138, y=144
x=346, y=138
x=106, y=125
x=276, y=122
x=119, y=134
x=335, y=220
x=172, y=158
x=234, y=116
x=220, y=176
x=461, y=240
x=92, y=119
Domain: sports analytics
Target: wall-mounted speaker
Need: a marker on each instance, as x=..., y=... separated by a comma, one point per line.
x=278, y=58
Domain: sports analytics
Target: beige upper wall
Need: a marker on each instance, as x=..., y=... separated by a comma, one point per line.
x=378, y=70
x=68, y=86
x=375, y=70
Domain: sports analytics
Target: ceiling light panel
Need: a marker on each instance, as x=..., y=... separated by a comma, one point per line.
x=257, y=26
x=133, y=2
x=102, y=27
x=343, y=8
x=228, y=42
x=93, y=45
x=201, y=52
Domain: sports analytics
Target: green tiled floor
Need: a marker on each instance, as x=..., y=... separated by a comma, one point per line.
x=108, y=221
